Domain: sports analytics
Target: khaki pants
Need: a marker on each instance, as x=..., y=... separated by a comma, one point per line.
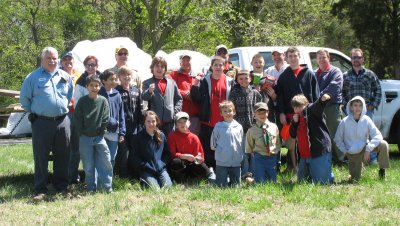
x=356, y=160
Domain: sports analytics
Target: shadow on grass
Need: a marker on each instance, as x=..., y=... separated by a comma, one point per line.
x=16, y=187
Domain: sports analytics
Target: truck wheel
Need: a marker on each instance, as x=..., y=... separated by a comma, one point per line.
x=398, y=137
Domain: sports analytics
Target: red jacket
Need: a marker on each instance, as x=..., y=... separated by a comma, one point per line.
x=184, y=143
x=184, y=81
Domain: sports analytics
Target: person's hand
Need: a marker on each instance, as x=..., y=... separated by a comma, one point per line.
x=296, y=118
x=325, y=97
x=152, y=87
x=121, y=139
x=188, y=157
x=198, y=158
x=187, y=96
x=371, y=107
x=197, y=81
x=366, y=156
x=271, y=93
x=282, y=118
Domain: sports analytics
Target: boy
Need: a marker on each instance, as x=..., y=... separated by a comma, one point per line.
x=357, y=136
x=186, y=152
x=244, y=97
x=262, y=140
x=313, y=141
x=116, y=126
x=132, y=104
x=226, y=141
x=91, y=117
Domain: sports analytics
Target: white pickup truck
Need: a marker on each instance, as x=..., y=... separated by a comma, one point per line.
x=386, y=117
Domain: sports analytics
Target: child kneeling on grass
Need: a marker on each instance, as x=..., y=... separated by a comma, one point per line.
x=357, y=136
x=314, y=143
x=187, y=153
x=227, y=142
x=262, y=140
x=152, y=154
x=91, y=117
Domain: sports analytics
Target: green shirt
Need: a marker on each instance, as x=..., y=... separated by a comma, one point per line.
x=91, y=116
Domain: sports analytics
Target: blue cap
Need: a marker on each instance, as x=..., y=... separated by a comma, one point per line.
x=67, y=54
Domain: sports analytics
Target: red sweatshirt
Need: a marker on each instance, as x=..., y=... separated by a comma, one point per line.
x=184, y=143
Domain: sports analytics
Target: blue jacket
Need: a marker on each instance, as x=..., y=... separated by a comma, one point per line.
x=331, y=82
x=150, y=156
x=132, y=102
x=116, y=123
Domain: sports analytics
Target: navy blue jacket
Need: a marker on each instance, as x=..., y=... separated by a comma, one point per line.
x=150, y=156
x=132, y=103
x=331, y=82
x=117, y=116
x=318, y=134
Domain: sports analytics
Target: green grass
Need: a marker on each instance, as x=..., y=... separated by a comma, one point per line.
x=370, y=201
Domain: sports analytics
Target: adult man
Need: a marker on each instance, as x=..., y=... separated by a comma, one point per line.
x=45, y=94
x=121, y=55
x=278, y=56
x=359, y=81
x=330, y=81
x=184, y=78
x=67, y=64
x=295, y=79
x=229, y=69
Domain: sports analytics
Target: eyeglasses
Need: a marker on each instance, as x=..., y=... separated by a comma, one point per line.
x=356, y=57
x=91, y=65
x=122, y=54
x=222, y=51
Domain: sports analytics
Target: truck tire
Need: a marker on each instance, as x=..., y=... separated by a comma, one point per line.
x=398, y=137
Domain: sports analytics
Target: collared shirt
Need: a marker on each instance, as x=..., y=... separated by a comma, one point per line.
x=46, y=94
x=330, y=81
x=255, y=138
x=275, y=72
x=365, y=84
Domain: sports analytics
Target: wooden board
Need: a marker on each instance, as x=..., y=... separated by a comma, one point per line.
x=9, y=93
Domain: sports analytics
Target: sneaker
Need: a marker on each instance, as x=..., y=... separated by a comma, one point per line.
x=40, y=197
x=211, y=175
x=382, y=174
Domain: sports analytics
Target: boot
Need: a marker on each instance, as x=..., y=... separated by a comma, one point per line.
x=382, y=174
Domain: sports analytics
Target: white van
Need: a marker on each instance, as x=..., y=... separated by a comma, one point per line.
x=386, y=117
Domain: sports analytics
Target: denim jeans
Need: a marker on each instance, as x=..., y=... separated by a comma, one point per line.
x=316, y=170
x=95, y=157
x=265, y=168
x=223, y=172
x=156, y=182
x=113, y=147
x=248, y=164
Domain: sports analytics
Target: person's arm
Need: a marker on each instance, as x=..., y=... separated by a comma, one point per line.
x=314, y=87
x=340, y=137
x=177, y=98
x=105, y=117
x=166, y=154
x=280, y=101
x=249, y=146
x=334, y=87
x=317, y=108
x=214, y=138
x=122, y=127
x=293, y=126
x=148, y=90
x=26, y=94
x=195, y=90
x=78, y=119
x=377, y=91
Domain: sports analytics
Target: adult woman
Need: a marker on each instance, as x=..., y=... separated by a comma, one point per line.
x=209, y=92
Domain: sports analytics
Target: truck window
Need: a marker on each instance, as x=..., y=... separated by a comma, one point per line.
x=234, y=58
x=336, y=60
x=267, y=59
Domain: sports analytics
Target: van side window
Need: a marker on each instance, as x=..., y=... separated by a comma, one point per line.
x=267, y=59
x=336, y=60
x=234, y=58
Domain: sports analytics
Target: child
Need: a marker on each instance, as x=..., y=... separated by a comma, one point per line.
x=226, y=141
x=262, y=140
x=314, y=143
x=162, y=94
x=152, y=154
x=357, y=136
x=132, y=103
x=91, y=117
x=116, y=126
x=244, y=97
x=187, y=153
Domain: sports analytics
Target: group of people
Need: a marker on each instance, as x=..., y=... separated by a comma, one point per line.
x=226, y=125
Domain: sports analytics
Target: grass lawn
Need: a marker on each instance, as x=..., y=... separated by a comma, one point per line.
x=371, y=201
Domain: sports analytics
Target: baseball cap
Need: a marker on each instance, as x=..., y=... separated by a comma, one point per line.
x=119, y=49
x=67, y=54
x=221, y=47
x=185, y=55
x=277, y=50
x=181, y=115
x=260, y=106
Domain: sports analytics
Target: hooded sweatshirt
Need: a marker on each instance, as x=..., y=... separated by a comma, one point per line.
x=352, y=136
x=227, y=141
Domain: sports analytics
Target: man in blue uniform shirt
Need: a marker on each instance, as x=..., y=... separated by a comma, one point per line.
x=45, y=94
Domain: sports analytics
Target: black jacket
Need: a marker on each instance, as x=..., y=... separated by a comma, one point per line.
x=318, y=134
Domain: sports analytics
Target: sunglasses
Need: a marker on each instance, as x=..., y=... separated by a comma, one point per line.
x=122, y=54
x=356, y=57
x=222, y=51
x=91, y=65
